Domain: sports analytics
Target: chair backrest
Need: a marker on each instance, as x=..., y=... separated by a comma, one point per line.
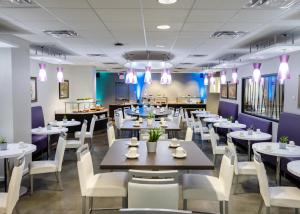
x=60, y=151
x=189, y=134
x=226, y=173
x=150, y=211
x=177, y=119
x=262, y=179
x=85, y=167
x=37, y=117
x=92, y=125
x=153, y=189
x=110, y=134
x=15, y=184
x=83, y=132
x=213, y=140
x=125, y=112
x=232, y=149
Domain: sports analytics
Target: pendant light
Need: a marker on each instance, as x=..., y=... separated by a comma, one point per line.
x=129, y=76
x=166, y=78
x=256, y=72
x=212, y=79
x=223, y=78
x=148, y=77
x=234, y=76
x=60, y=74
x=283, y=71
x=205, y=80
x=42, y=72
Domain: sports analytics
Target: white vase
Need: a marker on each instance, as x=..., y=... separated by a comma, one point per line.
x=282, y=145
x=149, y=122
x=151, y=147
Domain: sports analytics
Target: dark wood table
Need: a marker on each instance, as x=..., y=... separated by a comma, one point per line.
x=115, y=158
x=128, y=125
x=142, y=112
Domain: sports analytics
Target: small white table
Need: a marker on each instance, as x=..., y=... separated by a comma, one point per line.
x=206, y=115
x=49, y=132
x=14, y=150
x=214, y=120
x=294, y=167
x=229, y=125
x=255, y=136
x=68, y=123
x=273, y=149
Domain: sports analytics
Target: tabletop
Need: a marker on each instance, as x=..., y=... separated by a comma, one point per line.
x=229, y=125
x=65, y=123
x=294, y=167
x=130, y=125
x=161, y=160
x=206, y=115
x=45, y=131
x=144, y=112
x=256, y=136
x=214, y=120
x=16, y=149
x=272, y=148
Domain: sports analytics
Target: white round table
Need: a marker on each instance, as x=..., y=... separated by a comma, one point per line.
x=49, y=132
x=229, y=125
x=273, y=149
x=14, y=150
x=214, y=120
x=68, y=123
x=206, y=115
x=294, y=167
x=255, y=136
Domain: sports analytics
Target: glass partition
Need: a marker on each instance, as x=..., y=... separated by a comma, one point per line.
x=264, y=98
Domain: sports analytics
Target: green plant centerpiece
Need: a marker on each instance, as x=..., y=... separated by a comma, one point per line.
x=65, y=119
x=230, y=119
x=154, y=135
x=150, y=119
x=3, y=143
x=283, y=140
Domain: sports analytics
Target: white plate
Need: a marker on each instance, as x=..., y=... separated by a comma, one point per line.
x=179, y=156
x=132, y=157
x=136, y=125
x=174, y=145
x=133, y=145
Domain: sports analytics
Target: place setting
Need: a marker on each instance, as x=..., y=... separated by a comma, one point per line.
x=132, y=153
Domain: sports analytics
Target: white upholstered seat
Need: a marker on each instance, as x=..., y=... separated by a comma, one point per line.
x=216, y=149
x=89, y=134
x=189, y=134
x=74, y=143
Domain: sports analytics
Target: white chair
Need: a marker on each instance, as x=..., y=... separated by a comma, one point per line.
x=189, y=134
x=90, y=134
x=111, y=135
x=153, y=189
x=103, y=185
x=278, y=196
x=171, y=115
x=127, y=116
x=8, y=201
x=198, y=128
x=209, y=188
x=49, y=166
x=76, y=143
x=240, y=168
x=216, y=149
x=150, y=211
x=188, y=121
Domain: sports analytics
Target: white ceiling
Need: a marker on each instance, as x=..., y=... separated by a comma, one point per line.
x=101, y=23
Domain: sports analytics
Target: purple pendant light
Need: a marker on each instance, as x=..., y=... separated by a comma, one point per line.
x=212, y=79
x=256, y=72
x=60, y=74
x=283, y=71
x=148, y=77
x=129, y=76
x=166, y=77
x=42, y=72
x=205, y=80
x=169, y=80
x=234, y=76
x=223, y=78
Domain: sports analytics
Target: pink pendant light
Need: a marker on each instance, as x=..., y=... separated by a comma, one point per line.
x=169, y=77
x=234, y=76
x=283, y=71
x=42, y=72
x=129, y=76
x=60, y=74
x=148, y=77
x=256, y=72
x=223, y=78
x=212, y=79
x=205, y=80
x=166, y=77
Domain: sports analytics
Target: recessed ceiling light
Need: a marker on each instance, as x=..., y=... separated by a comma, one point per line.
x=163, y=27
x=159, y=46
x=167, y=1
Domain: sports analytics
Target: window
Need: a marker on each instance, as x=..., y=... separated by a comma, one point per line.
x=264, y=98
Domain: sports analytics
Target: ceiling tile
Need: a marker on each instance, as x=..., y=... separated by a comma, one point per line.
x=113, y=4
x=119, y=15
x=210, y=15
x=75, y=14
x=202, y=26
x=163, y=16
x=28, y=14
x=63, y=3
x=219, y=4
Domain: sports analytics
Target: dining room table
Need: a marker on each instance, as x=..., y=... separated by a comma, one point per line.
x=294, y=167
x=65, y=123
x=229, y=125
x=144, y=112
x=162, y=159
x=250, y=136
x=214, y=120
x=273, y=149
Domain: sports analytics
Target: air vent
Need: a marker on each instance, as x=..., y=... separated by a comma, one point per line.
x=110, y=63
x=18, y=4
x=97, y=55
x=264, y=4
x=227, y=34
x=187, y=63
x=197, y=55
x=61, y=33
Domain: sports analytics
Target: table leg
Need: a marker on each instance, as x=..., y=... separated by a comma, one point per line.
x=278, y=174
x=49, y=147
x=249, y=150
x=6, y=174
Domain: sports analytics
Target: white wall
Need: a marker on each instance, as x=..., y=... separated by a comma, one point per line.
x=82, y=85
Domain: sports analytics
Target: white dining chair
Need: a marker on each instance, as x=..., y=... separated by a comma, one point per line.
x=127, y=116
x=217, y=150
x=210, y=188
x=9, y=199
x=278, y=196
x=189, y=134
x=188, y=120
x=49, y=166
x=245, y=168
x=153, y=189
x=89, y=134
x=203, y=131
x=76, y=143
x=102, y=185
x=171, y=115
x=150, y=211
x=111, y=137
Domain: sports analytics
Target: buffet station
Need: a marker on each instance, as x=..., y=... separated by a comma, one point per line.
x=84, y=109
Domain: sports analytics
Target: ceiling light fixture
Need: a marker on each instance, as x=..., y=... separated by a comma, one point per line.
x=42, y=72
x=148, y=77
x=131, y=77
x=234, y=76
x=166, y=78
x=60, y=74
x=159, y=46
x=256, y=72
x=163, y=27
x=167, y=1
x=212, y=79
x=223, y=78
x=283, y=71
x=205, y=80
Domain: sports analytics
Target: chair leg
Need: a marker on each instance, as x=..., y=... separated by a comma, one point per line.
x=31, y=184
x=83, y=204
x=91, y=202
x=16, y=210
x=268, y=210
x=296, y=211
x=221, y=207
x=124, y=202
x=226, y=207
x=236, y=184
x=58, y=176
x=261, y=206
x=185, y=204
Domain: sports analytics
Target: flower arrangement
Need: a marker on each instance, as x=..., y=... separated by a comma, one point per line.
x=154, y=134
x=283, y=140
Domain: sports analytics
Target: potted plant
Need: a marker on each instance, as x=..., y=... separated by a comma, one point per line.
x=230, y=119
x=154, y=135
x=65, y=119
x=283, y=140
x=3, y=143
x=150, y=119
